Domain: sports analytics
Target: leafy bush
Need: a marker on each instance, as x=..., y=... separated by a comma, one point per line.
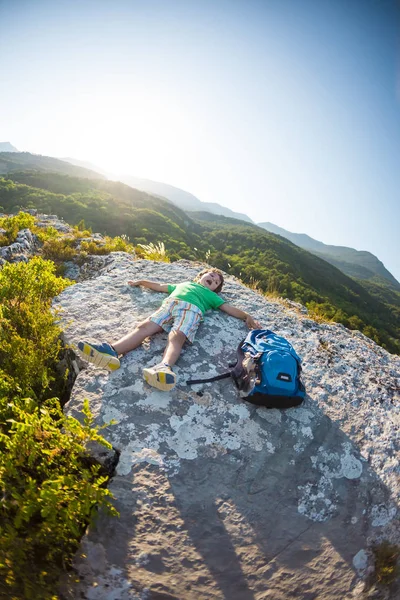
x=29, y=338
x=59, y=249
x=49, y=488
x=46, y=233
x=14, y=224
x=117, y=244
x=48, y=483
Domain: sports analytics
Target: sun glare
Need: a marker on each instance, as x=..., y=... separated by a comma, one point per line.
x=136, y=132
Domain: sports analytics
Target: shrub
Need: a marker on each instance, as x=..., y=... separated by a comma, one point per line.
x=59, y=249
x=355, y=322
x=46, y=233
x=121, y=244
x=14, y=224
x=49, y=488
x=48, y=483
x=81, y=233
x=29, y=337
x=372, y=333
x=117, y=244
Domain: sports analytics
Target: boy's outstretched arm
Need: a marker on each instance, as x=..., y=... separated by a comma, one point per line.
x=152, y=285
x=240, y=314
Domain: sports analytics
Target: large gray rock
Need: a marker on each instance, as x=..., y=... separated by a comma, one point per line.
x=221, y=499
x=44, y=221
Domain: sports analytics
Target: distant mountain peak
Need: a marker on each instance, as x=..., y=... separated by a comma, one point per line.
x=184, y=200
x=7, y=147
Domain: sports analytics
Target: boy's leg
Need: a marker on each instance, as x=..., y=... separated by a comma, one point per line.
x=186, y=321
x=101, y=355
x=133, y=339
x=161, y=376
x=176, y=340
x=105, y=356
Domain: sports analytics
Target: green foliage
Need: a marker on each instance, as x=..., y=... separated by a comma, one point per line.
x=321, y=311
x=64, y=248
x=355, y=322
x=81, y=233
x=117, y=244
x=14, y=224
x=49, y=486
x=59, y=249
x=46, y=233
x=372, y=333
x=81, y=225
x=49, y=489
x=29, y=338
x=24, y=220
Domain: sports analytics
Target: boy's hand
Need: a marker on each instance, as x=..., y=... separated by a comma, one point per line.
x=135, y=283
x=240, y=314
x=151, y=285
x=252, y=323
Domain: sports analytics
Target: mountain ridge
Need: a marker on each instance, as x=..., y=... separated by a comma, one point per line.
x=179, y=197
x=7, y=147
x=359, y=264
x=18, y=161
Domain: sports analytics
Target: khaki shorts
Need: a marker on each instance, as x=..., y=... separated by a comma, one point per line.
x=177, y=315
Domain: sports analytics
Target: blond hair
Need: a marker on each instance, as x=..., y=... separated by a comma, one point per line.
x=211, y=270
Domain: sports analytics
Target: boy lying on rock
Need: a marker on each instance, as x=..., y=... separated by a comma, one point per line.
x=180, y=314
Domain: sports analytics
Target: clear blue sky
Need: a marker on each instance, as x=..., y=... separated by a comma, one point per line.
x=288, y=110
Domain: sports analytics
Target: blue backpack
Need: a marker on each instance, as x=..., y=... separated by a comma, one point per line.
x=267, y=371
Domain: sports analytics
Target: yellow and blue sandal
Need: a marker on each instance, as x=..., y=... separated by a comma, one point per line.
x=101, y=355
x=161, y=377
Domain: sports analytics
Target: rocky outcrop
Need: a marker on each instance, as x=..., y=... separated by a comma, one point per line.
x=44, y=220
x=89, y=268
x=27, y=244
x=219, y=498
x=21, y=249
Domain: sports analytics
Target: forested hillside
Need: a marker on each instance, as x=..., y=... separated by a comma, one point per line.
x=270, y=262
x=105, y=206
x=16, y=161
x=359, y=264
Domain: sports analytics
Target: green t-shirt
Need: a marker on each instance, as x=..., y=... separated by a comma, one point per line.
x=196, y=294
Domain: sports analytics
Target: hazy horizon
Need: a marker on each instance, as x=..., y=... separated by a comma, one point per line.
x=285, y=111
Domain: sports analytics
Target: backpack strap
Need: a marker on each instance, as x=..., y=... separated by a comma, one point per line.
x=216, y=378
x=232, y=366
